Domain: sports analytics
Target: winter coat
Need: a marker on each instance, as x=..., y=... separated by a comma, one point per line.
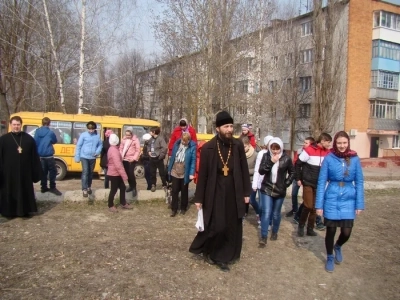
x=190, y=159
x=160, y=147
x=115, y=166
x=344, y=193
x=206, y=184
x=309, y=163
x=133, y=152
x=45, y=138
x=103, y=155
x=177, y=134
x=89, y=146
x=251, y=137
x=284, y=177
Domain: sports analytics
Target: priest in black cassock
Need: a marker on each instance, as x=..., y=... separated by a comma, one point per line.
x=19, y=168
x=222, y=190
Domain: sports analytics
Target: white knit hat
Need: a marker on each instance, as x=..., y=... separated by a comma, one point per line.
x=267, y=139
x=113, y=139
x=146, y=136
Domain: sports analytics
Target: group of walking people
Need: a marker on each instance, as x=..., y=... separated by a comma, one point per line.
x=230, y=175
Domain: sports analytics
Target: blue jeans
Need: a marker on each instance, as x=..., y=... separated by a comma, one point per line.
x=48, y=167
x=87, y=172
x=295, y=193
x=254, y=202
x=271, y=208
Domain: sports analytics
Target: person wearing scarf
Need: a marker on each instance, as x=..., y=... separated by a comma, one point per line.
x=278, y=171
x=342, y=198
x=181, y=169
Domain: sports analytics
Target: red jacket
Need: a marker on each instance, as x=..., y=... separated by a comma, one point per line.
x=251, y=137
x=115, y=166
x=176, y=135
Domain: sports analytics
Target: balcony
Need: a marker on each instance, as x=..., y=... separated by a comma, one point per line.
x=376, y=94
x=384, y=124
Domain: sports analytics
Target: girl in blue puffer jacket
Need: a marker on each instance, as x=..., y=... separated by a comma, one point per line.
x=342, y=198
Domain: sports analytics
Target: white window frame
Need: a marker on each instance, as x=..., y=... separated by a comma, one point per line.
x=306, y=28
x=306, y=56
x=305, y=83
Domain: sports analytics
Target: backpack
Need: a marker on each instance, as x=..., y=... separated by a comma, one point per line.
x=199, y=146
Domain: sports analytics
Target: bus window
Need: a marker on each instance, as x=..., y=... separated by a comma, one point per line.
x=79, y=128
x=30, y=129
x=139, y=131
x=62, y=130
x=117, y=131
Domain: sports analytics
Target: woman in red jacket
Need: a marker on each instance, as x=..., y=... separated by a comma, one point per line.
x=116, y=174
x=177, y=134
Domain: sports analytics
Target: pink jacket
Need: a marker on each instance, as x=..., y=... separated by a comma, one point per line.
x=133, y=152
x=115, y=166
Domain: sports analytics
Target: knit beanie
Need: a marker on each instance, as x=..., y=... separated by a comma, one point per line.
x=113, y=140
x=245, y=126
x=223, y=118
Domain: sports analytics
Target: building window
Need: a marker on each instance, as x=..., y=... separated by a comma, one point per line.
x=272, y=85
x=384, y=80
x=386, y=49
x=274, y=62
x=307, y=28
x=289, y=59
x=257, y=87
x=241, y=110
x=383, y=110
x=387, y=20
x=289, y=33
x=396, y=141
x=306, y=56
x=242, y=87
x=304, y=110
x=305, y=83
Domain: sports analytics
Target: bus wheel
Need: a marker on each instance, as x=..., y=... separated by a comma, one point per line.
x=139, y=171
x=61, y=170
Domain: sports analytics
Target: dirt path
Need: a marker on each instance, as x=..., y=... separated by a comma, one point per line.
x=81, y=251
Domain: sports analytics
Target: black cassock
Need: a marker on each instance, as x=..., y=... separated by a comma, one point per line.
x=223, y=203
x=18, y=172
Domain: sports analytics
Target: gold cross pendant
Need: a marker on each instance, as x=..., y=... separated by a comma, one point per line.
x=225, y=169
x=19, y=150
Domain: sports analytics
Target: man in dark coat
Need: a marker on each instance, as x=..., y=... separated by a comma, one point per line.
x=223, y=188
x=19, y=168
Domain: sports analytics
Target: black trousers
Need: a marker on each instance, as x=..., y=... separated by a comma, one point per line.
x=178, y=185
x=129, y=169
x=116, y=183
x=155, y=164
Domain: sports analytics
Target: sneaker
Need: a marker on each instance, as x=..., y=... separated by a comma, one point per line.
x=55, y=192
x=258, y=219
x=263, y=241
x=290, y=213
x=126, y=206
x=320, y=227
x=44, y=190
x=153, y=188
x=300, y=231
x=338, y=254
x=134, y=193
x=85, y=193
x=113, y=209
x=329, y=266
x=311, y=232
x=89, y=191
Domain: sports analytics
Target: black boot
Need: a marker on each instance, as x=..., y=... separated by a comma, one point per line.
x=300, y=230
x=311, y=232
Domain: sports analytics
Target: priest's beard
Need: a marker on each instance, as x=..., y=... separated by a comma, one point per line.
x=225, y=137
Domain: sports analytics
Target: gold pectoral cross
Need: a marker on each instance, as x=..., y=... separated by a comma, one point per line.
x=225, y=169
x=19, y=150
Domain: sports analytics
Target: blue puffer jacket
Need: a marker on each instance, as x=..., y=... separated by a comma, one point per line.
x=88, y=146
x=190, y=159
x=344, y=193
x=45, y=138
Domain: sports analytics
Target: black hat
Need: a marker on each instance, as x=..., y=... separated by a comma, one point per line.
x=91, y=125
x=223, y=118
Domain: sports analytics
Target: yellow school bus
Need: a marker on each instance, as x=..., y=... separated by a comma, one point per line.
x=68, y=128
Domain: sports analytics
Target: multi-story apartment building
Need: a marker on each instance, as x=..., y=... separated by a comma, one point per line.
x=274, y=81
